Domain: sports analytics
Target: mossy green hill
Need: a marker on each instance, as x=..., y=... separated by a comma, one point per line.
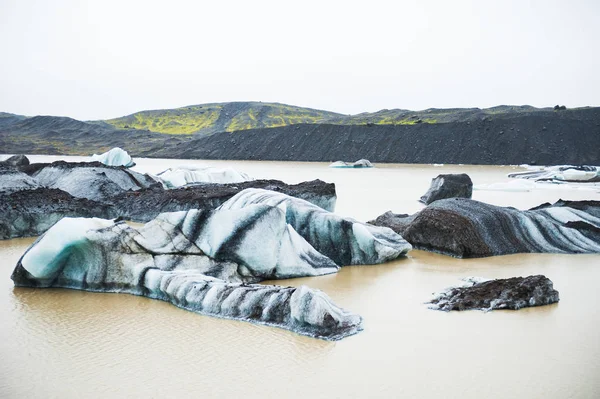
x=212, y=118
x=498, y=135
x=223, y=117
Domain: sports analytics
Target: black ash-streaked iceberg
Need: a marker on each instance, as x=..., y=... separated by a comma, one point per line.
x=560, y=173
x=210, y=261
x=344, y=240
x=162, y=260
x=468, y=229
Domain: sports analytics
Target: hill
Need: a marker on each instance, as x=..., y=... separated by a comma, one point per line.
x=498, y=135
x=207, y=119
x=224, y=117
x=55, y=135
x=547, y=138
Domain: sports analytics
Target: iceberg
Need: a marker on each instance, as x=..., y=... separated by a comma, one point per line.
x=561, y=173
x=114, y=157
x=466, y=228
x=12, y=180
x=344, y=240
x=91, y=180
x=361, y=163
x=192, y=174
x=207, y=262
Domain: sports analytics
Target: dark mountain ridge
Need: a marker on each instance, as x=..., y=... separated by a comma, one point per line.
x=498, y=135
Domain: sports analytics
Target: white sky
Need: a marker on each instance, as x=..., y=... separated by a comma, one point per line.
x=108, y=58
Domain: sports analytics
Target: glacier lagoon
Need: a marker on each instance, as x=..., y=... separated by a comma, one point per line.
x=69, y=343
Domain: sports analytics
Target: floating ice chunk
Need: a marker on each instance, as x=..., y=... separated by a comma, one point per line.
x=190, y=174
x=344, y=240
x=256, y=237
x=578, y=175
x=361, y=163
x=466, y=228
x=87, y=180
x=115, y=157
x=163, y=260
x=560, y=173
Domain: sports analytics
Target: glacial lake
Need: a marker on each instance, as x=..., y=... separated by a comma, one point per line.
x=57, y=343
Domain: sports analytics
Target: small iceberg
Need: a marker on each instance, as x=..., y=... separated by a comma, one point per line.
x=115, y=157
x=194, y=174
x=361, y=163
x=562, y=173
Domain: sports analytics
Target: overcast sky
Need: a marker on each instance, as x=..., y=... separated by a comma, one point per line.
x=108, y=58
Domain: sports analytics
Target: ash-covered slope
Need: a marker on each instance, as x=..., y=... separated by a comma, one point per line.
x=55, y=135
x=7, y=119
x=205, y=119
x=499, y=135
x=561, y=137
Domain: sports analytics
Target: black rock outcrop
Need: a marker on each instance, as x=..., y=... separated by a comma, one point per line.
x=511, y=293
x=448, y=186
x=27, y=213
x=145, y=205
x=466, y=228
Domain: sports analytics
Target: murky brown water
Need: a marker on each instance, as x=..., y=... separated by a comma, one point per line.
x=62, y=343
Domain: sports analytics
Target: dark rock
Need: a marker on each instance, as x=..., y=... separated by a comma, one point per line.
x=396, y=222
x=29, y=213
x=511, y=293
x=16, y=161
x=466, y=228
x=448, y=186
x=145, y=205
